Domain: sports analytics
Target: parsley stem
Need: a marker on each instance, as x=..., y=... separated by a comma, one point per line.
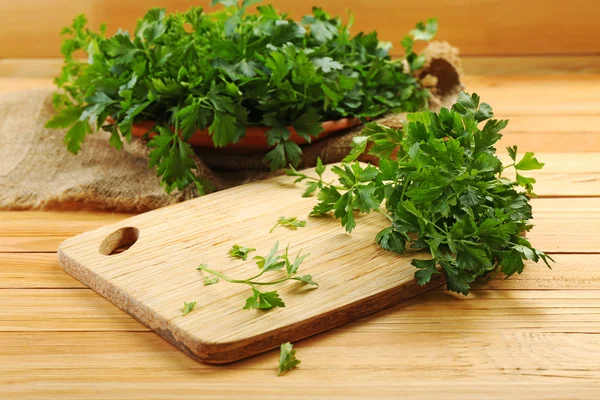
x=248, y=281
x=267, y=283
x=224, y=277
x=384, y=213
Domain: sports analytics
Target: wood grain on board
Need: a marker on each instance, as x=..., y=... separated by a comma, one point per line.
x=493, y=27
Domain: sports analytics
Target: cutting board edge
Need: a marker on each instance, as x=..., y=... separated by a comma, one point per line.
x=226, y=352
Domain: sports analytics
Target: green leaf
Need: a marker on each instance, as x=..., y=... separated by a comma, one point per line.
x=525, y=182
x=211, y=280
x=427, y=268
x=469, y=106
x=327, y=64
x=172, y=158
x=320, y=168
x=511, y=263
x=226, y=3
x=458, y=281
x=425, y=31
x=292, y=223
x=278, y=65
x=263, y=300
x=528, y=162
x=64, y=119
x=272, y=262
x=311, y=187
x=238, y=251
x=287, y=358
x=391, y=240
x=512, y=152
x=223, y=129
x=359, y=146
x=188, y=307
x=306, y=279
x=76, y=135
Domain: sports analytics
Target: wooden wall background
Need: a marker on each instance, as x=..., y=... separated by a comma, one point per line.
x=30, y=28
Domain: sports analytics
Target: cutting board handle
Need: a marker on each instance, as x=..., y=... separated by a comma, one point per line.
x=119, y=241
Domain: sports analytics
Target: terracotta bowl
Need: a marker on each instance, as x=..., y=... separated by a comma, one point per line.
x=255, y=139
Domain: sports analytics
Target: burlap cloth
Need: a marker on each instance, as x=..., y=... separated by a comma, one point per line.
x=37, y=171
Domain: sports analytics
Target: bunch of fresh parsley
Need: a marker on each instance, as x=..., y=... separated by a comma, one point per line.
x=224, y=71
x=440, y=185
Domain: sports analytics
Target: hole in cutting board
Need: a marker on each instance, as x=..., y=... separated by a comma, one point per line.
x=119, y=241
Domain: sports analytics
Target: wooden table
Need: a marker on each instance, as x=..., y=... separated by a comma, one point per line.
x=533, y=336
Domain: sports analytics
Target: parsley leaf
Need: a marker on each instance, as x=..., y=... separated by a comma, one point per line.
x=290, y=223
x=238, y=251
x=211, y=280
x=188, y=307
x=263, y=300
x=287, y=358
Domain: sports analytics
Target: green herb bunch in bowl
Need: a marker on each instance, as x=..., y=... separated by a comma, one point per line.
x=231, y=79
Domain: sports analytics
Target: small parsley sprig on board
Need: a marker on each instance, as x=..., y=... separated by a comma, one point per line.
x=271, y=262
x=224, y=71
x=241, y=252
x=440, y=185
x=188, y=307
x=292, y=223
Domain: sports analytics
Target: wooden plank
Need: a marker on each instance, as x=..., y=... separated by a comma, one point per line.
x=484, y=310
x=568, y=95
x=43, y=231
x=529, y=65
x=23, y=36
x=582, y=178
x=571, y=271
x=566, y=225
x=125, y=355
x=338, y=387
x=34, y=271
x=61, y=309
x=411, y=365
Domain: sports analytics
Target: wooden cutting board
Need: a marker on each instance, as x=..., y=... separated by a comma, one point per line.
x=152, y=279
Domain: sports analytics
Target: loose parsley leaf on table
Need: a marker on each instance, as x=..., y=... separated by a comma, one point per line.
x=224, y=71
x=287, y=358
x=439, y=185
x=271, y=262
